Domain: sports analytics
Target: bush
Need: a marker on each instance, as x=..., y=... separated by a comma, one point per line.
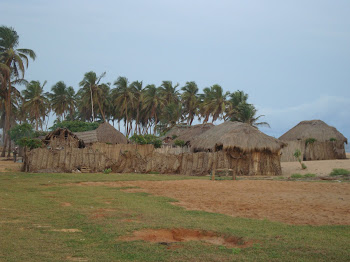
x=309, y=175
x=179, y=143
x=174, y=137
x=332, y=139
x=303, y=166
x=146, y=139
x=107, y=171
x=31, y=143
x=310, y=141
x=296, y=176
x=339, y=172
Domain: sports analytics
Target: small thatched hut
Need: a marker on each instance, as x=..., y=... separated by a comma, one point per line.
x=62, y=137
x=247, y=150
x=105, y=133
x=316, y=140
x=185, y=133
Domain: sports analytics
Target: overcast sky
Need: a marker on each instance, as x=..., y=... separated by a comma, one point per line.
x=291, y=57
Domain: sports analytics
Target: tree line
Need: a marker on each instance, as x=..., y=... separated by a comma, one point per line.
x=142, y=109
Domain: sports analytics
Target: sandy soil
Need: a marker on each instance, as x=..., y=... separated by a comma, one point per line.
x=312, y=203
x=320, y=168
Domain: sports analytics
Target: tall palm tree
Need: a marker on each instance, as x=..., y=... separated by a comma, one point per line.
x=213, y=102
x=36, y=102
x=16, y=60
x=136, y=88
x=236, y=98
x=169, y=92
x=153, y=104
x=91, y=87
x=62, y=99
x=190, y=101
x=246, y=113
x=123, y=97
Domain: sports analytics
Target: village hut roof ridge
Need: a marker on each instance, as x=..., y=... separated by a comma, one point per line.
x=105, y=133
x=316, y=129
x=181, y=130
x=232, y=135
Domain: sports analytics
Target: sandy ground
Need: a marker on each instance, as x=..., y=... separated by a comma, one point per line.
x=312, y=203
x=320, y=168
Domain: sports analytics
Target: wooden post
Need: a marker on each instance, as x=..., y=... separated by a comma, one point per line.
x=214, y=167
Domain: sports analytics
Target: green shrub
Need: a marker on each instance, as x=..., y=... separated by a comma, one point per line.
x=303, y=166
x=297, y=155
x=296, y=176
x=339, y=172
x=146, y=139
x=174, y=137
x=332, y=139
x=31, y=143
x=107, y=171
x=76, y=126
x=179, y=143
x=310, y=141
x=309, y=175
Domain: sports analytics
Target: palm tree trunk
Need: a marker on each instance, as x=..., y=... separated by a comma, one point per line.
x=8, y=115
x=92, y=106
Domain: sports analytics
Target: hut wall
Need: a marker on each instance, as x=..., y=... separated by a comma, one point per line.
x=315, y=151
x=288, y=151
x=325, y=150
x=62, y=141
x=172, y=150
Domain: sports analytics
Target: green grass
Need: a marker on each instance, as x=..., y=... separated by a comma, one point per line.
x=31, y=208
x=339, y=172
x=300, y=176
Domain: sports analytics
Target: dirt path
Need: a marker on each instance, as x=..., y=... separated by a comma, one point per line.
x=7, y=165
x=290, y=202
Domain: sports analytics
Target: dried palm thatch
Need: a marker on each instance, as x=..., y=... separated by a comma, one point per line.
x=236, y=136
x=187, y=133
x=316, y=129
x=105, y=133
x=63, y=137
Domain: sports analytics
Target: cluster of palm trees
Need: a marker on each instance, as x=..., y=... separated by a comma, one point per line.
x=142, y=109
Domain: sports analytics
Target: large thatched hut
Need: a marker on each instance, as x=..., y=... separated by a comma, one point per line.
x=246, y=150
x=62, y=137
x=316, y=140
x=105, y=133
x=185, y=133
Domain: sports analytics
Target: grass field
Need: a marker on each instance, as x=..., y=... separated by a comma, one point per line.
x=43, y=218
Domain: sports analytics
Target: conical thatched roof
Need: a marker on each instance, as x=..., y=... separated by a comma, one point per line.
x=313, y=129
x=231, y=135
x=105, y=133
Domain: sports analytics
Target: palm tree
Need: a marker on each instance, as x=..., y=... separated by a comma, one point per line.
x=190, y=101
x=123, y=97
x=137, y=90
x=153, y=104
x=246, y=113
x=91, y=88
x=213, y=102
x=36, y=102
x=169, y=92
x=236, y=98
x=16, y=60
x=62, y=99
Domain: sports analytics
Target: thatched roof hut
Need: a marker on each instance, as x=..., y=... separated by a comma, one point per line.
x=316, y=129
x=105, y=133
x=241, y=147
x=316, y=140
x=236, y=135
x=62, y=137
x=186, y=133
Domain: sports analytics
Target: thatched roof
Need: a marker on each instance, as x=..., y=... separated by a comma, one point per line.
x=187, y=133
x=236, y=135
x=105, y=133
x=313, y=129
x=62, y=133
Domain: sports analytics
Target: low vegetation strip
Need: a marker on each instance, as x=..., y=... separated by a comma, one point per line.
x=47, y=217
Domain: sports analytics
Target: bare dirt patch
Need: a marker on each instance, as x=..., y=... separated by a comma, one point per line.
x=67, y=230
x=7, y=165
x=312, y=203
x=166, y=236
